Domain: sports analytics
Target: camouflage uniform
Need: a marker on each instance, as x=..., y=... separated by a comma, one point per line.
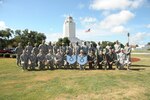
x=41, y=60
x=50, y=47
x=121, y=59
x=43, y=47
x=128, y=54
x=110, y=59
x=33, y=60
x=91, y=59
x=101, y=60
x=77, y=49
x=85, y=48
x=58, y=59
x=50, y=59
x=24, y=60
x=117, y=48
x=35, y=49
x=18, y=51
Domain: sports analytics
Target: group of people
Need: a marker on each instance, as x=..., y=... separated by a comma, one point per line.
x=52, y=56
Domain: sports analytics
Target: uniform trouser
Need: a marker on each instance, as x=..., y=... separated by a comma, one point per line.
x=50, y=64
x=32, y=65
x=82, y=67
x=41, y=65
x=99, y=65
x=91, y=65
x=24, y=65
x=109, y=65
x=18, y=59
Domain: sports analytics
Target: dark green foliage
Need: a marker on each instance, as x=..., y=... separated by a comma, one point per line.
x=7, y=55
x=24, y=37
x=1, y=54
x=64, y=40
x=13, y=55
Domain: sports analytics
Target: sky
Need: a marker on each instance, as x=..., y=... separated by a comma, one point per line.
x=108, y=20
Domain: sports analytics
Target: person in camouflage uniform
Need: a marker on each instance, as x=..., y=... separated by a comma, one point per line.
x=58, y=59
x=24, y=60
x=18, y=51
x=50, y=59
x=33, y=60
x=91, y=59
x=41, y=60
x=101, y=60
x=43, y=47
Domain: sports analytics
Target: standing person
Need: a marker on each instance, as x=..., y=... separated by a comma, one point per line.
x=128, y=54
x=55, y=47
x=43, y=47
x=63, y=49
x=77, y=48
x=110, y=59
x=85, y=48
x=91, y=59
x=33, y=60
x=121, y=59
x=29, y=48
x=24, y=60
x=91, y=48
x=70, y=49
x=18, y=51
x=58, y=60
x=108, y=47
x=101, y=60
x=50, y=59
x=50, y=47
x=99, y=47
x=41, y=60
x=35, y=49
x=117, y=47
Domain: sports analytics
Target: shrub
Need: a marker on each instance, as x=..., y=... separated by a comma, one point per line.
x=13, y=56
x=7, y=55
x=1, y=54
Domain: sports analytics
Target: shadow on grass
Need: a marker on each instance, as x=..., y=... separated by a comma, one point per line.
x=140, y=65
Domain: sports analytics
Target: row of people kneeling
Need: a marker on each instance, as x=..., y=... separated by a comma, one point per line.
x=95, y=60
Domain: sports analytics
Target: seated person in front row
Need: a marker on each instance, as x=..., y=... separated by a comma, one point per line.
x=110, y=59
x=101, y=60
x=24, y=60
x=50, y=59
x=58, y=60
x=82, y=55
x=91, y=59
x=41, y=59
x=33, y=60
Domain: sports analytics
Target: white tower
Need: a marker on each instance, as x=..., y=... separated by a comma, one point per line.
x=69, y=28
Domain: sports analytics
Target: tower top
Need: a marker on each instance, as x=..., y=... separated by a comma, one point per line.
x=69, y=19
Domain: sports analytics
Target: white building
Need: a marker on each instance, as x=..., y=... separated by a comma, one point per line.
x=69, y=30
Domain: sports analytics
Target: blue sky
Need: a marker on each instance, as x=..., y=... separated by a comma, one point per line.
x=108, y=19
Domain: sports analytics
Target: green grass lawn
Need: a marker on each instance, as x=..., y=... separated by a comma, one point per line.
x=134, y=84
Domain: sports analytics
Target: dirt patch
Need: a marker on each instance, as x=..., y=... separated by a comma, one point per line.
x=135, y=59
x=42, y=78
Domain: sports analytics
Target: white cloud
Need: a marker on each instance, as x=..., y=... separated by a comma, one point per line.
x=2, y=25
x=139, y=37
x=148, y=26
x=53, y=37
x=118, y=29
x=115, y=4
x=116, y=19
x=88, y=19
